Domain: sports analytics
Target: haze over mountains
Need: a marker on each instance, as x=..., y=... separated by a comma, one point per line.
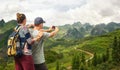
x=75, y=31
x=79, y=30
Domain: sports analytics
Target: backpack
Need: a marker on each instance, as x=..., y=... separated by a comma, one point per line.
x=13, y=46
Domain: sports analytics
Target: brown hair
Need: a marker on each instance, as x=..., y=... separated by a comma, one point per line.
x=20, y=17
x=36, y=24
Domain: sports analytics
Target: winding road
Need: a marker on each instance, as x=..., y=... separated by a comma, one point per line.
x=89, y=53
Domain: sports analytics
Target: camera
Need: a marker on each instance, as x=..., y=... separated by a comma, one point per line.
x=53, y=27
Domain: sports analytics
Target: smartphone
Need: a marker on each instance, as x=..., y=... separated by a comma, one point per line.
x=53, y=27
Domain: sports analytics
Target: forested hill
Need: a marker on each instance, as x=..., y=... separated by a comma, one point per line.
x=5, y=31
x=94, y=39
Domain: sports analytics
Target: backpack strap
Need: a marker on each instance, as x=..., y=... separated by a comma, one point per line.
x=17, y=28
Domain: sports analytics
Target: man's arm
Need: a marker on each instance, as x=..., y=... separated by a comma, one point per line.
x=47, y=30
x=39, y=36
x=53, y=33
x=29, y=38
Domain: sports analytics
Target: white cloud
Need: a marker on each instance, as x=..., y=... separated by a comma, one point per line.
x=60, y=12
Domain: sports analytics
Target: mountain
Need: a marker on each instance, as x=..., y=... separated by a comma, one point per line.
x=2, y=22
x=73, y=34
x=80, y=30
x=98, y=31
x=7, y=26
x=5, y=32
x=112, y=26
x=77, y=25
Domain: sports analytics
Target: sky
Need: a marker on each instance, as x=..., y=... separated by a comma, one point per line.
x=61, y=12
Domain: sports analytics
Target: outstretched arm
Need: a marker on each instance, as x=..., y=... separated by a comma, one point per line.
x=54, y=32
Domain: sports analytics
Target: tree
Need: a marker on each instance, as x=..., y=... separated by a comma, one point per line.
x=104, y=58
x=83, y=58
x=82, y=67
x=118, y=51
x=76, y=62
x=94, y=62
x=89, y=63
x=115, y=50
x=99, y=59
x=107, y=54
x=57, y=65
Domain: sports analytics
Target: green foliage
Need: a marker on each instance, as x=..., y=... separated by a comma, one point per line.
x=52, y=56
x=116, y=50
x=94, y=62
x=7, y=26
x=83, y=67
x=65, y=51
x=57, y=65
x=76, y=61
x=83, y=58
x=2, y=23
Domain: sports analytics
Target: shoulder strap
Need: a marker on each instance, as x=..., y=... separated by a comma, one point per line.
x=17, y=28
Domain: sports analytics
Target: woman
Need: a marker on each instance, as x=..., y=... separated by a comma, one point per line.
x=25, y=62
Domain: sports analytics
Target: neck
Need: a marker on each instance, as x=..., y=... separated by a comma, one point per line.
x=22, y=24
x=37, y=28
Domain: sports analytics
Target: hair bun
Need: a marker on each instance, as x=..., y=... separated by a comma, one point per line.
x=18, y=15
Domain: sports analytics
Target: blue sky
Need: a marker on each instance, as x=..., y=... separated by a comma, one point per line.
x=60, y=12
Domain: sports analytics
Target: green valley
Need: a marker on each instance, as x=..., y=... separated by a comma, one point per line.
x=76, y=47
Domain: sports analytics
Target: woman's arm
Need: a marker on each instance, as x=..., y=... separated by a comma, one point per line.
x=30, y=25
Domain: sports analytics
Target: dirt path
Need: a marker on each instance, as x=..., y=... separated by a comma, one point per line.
x=89, y=53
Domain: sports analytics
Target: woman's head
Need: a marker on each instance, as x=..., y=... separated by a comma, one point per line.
x=21, y=18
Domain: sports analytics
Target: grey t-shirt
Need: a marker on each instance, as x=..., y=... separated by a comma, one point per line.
x=38, y=47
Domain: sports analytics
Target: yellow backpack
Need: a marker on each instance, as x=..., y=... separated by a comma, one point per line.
x=13, y=48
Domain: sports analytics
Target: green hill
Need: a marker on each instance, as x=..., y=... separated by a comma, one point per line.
x=2, y=22
x=5, y=32
x=63, y=49
x=91, y=44
x=98, y=43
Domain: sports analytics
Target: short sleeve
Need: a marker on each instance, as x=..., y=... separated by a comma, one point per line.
x=46, y=35
x=27, y=35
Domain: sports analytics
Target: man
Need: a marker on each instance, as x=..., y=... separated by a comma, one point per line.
x=38, y=47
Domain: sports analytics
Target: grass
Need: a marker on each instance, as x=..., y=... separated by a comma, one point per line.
x=96, y=44
x=68, y=54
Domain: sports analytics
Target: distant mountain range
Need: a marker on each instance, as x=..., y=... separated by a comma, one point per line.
x=74, y=31
x=78, y=30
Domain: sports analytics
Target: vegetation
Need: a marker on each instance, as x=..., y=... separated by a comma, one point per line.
x=64, y=51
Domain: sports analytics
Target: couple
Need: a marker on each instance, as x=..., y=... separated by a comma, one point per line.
x=33, y=58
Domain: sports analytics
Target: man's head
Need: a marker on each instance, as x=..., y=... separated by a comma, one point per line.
x=39, y=22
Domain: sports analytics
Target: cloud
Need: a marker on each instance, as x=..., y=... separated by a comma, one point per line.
x=63, y=11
